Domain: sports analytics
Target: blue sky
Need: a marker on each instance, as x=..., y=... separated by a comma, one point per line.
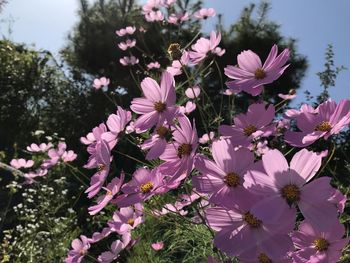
x=314, y=23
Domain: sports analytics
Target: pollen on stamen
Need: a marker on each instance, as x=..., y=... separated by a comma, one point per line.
x=291, y=193
x=324, y=126
x=232, y=179
x=162, y=131
x=146, y=187
x=263, y=258
x=101, y=167
x=321, y=244
x=251, y=220
x=131, y=221
x=159, y=106
x=259, y=74
x=249, y=130
x=184, y=149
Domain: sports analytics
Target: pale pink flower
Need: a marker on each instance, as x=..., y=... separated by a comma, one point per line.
x=204, y=13
x=98, y=236
x=339, y=200
x=176, y=65
x=250, y=75
x=21, y=163
x=293, y=113
x=154, y=16
x=188, y=108
x=152, y=5
x=68, y=156
x=101, y=82
x=207, y=137
x=289, y=96
x=43, y=147
x=178, y=18
x=153, y=65
x=193, y=92
x=31, y=175
x=129, y=61
x=129, y=43
x=158, y=246
x=116, y=247
x=80, y=249
x=129, y=30
x=126, y=219
x=95, y=135
x=203, y=46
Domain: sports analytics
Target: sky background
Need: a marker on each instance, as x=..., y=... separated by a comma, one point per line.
x=314, y=23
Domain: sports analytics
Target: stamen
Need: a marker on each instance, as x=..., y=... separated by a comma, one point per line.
x=131, y=221
x=101, y=167
x=159, y=106
x=184, y=149
x=162, y=131
x=291, y=193
x=263, y=258
x=259, y=73
x=251, y=220
x=321, y=244
x=324, y=126
x=232, y=179
x=249, y=130
x=146, y=187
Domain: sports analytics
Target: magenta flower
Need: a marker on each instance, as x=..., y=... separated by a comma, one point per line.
x=111, y=190
x=21, y=163
x=144, y=185
x=193, y=92
x=204, y=13
x=101, y=82
x=80, y=249
x=288, y=185
x=158, y=246
x=129, y=61
x=316, y=245
x=254, y=124
x=204, y=45
x=129, y=30
x=329, y=119
x=43, y=147
x=129, y=43
x=179, y=154
x=223, y=178
x=158, y=104
x=126, y=219
x=250, y=75
x=251, y=227
x=100, y=159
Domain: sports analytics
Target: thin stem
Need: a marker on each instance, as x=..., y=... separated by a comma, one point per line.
x=132, y=158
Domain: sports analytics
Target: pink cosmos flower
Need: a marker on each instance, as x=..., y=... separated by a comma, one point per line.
x=317, y=245
x=154, y=16
x=178, y=18
x=21, y=163
x=289, y=185
x=129, y=61
x=293, y=113
x=129, y=43
x=188, y=108
x=95, y=135
x=144, y=185
x=126, y=219
x=222, y=178
x=100, y=159
x=43, y=147
x=158, y=104
x=291, y=95
x=207, y=137
x=256, y=123
x=59, y=154
x=153, y=65
x=204, y=45
x=251, y=227
x=339, y=200
x=99, y=83
x=158, y=246
x=204, y=13
x=98, y=236
x=329, y=119
x=80, y=249
x=116, y=247
x=176, y=65
x=129, y=30
x=193, y=92
x=250, y=75
x=31, y=175
x=152, y=5
x=69, y=156
x=179, y=154
x=260, y=148
x=111, y=190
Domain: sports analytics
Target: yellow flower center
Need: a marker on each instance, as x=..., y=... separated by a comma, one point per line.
x=159, y=106
x=251, y=220
x=259, y=73
x=100, y=167
x=324, y=126
x=184, y=149
x=291, y=193
x=321, y=244
x=131, y=221
x=146, y=187
x=109, y=193
x=249, y=130
x=263, y=258
x=232, y=179
x=162, y=131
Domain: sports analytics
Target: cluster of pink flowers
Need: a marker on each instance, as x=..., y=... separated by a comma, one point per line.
x=261, y=206
x=46, y=156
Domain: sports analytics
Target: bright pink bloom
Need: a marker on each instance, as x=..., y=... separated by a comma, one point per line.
x=204, y=13
x=153, y=65
x=80, y=249
x=21, y=163
x=319, y=246
x=207, y=137
x=179, y=154
x=43, y=147
x=250, y=75
x=129, y=43
x=158, y=246
x=99, y=83
x=204, y=45
x=144, y=185
x=193, y=92
x=256, y=123
x=250, y=227
x=158, y=104
x=176, y=65
x=129, y=61
x=288, y=185
x=126, y=219
x=111, y=190
x=330, y=118
x=223, y=178
x=129, y=30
